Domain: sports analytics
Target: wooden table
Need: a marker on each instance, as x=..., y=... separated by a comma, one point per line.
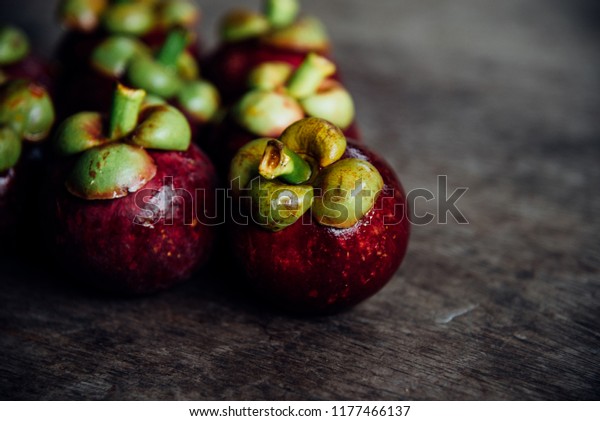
x=501, y=97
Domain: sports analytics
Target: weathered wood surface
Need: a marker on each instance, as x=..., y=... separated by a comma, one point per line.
x=503, y=98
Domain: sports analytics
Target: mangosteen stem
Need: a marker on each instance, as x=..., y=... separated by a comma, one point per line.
x=173, y=47
x=305, y=81
x=281, y=13
x=280, y=161
x=125, y=110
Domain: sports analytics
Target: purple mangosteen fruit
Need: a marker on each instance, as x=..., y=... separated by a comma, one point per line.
x=319, y=224
x=129, y=197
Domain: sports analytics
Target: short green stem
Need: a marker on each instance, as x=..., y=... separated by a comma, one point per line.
x=125, y=110
x=281, y=13
x=173, y=47
x=305, y=81
x=280, y=161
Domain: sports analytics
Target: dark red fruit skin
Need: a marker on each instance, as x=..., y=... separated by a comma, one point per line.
x=228, y=67
x=110, y=245
x=228, y=137
x=312, y=269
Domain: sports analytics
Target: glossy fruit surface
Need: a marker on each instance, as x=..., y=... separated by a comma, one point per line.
x=312, y=268
x=146, y=241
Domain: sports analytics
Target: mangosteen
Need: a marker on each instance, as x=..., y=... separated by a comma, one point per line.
x=278, y=96
x=249, y=38
x=319, y=223
x=129, y=197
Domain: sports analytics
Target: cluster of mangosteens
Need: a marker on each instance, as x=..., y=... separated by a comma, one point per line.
x=316, y=221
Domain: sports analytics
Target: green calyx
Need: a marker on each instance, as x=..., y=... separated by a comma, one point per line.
x=26, y=108
x=127, y=16
x=14, y=45
x=279, y=27
x=172, y=74
x=153, y=76
x=331, y=102
x=82, y=15
x=200, y=100
x=135, y=18
x=242, y=24
x=114, y=54
x=187, y=67
x=270, y=75
x=112, y=159
x=348, y=190
x=317, y=138
x=172, y=13
x=281, y=13
x=304, y=170
x=162, y=127
x=267, y=113
x=79, y=133
x=305, y=34
x=276, y=205
x=10, y=148
x=110, y=171
x=281, y=96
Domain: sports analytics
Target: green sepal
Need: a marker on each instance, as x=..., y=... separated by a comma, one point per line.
x=171, y=13
x=276, y=205
x=129, y=18
x=113, y=55
x=10, y=148
x=14, y=45
x=162, y=127
x=348, y=190
x=82, y=15
x=80, y=132
x=199, y=99
x=281, y=13
x=187, y=66
x=266, y=113
x=270, y=75
x=242, y=24
x=154, y=77
x=27, y=108
x=110, y=171
x=331, y=102
x=244, y=165
x=306, y=34
x=317, y=138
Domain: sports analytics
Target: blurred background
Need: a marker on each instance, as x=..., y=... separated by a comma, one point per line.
x=503, y=97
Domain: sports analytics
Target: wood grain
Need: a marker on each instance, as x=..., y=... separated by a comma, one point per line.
x=503, y=98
